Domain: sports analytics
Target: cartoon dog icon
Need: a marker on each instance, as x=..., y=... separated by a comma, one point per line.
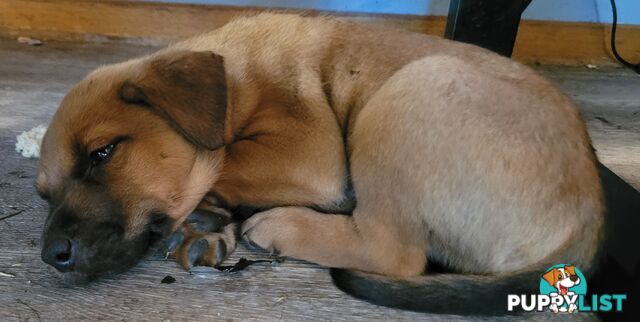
x=562, y=278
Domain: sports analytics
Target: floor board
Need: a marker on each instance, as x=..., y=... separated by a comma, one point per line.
x=32, y=82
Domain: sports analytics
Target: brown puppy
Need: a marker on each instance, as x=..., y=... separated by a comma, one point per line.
x=454, y=153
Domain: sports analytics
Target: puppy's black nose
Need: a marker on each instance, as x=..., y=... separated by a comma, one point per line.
x=573, y=278
x=59, y=253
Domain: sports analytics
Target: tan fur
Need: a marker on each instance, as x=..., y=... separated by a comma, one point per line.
x=455, y=153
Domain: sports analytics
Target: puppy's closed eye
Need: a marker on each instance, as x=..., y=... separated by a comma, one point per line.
x=87, y=163
x=101, y=154
x=104, y=153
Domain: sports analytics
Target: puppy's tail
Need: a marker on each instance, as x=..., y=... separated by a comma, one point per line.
x=464, y=294
x=441, y=293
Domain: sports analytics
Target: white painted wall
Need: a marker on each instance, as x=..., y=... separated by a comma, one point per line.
x=560, y=10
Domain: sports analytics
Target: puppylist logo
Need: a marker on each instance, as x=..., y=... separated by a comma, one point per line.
x=563, y=289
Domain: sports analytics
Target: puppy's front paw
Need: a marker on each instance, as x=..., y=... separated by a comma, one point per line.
x=205, y=239
x=270, y=230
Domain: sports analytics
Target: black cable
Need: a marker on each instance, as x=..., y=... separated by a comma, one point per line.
x=635, y=67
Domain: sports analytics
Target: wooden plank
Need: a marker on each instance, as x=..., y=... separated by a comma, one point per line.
x=33, y=81
x=568, y=43
x=542, y=42
x=627, y=42
x=559, y=43
x=73, y=19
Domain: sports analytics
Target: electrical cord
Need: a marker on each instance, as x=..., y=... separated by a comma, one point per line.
x=614, y=27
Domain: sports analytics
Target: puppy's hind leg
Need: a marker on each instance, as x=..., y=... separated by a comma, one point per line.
x=337, y=240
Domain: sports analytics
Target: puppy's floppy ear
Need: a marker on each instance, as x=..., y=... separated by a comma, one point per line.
x=186, y=88
x=570, y=269
x=551, y=277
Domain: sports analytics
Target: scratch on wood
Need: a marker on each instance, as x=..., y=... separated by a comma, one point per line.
x=30, y=308
x=12, y=215
x=603, y=120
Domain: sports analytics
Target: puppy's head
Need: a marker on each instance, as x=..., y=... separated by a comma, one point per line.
x=562, y=278
x=131, y=151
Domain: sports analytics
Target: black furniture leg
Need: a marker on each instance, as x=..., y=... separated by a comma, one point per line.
x=492, y=24
x=619, y=267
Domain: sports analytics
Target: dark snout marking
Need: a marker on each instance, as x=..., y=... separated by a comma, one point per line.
x=59, y=253
x=86, y=232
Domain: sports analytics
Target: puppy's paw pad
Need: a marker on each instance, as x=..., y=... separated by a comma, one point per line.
x=206, y=221
x=195, y=248
x=202, y=250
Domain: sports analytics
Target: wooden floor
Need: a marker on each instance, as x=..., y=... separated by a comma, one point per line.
x=32, y=82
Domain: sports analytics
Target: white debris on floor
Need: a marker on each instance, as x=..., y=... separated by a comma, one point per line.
x=28, y=142
x=29, y=41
